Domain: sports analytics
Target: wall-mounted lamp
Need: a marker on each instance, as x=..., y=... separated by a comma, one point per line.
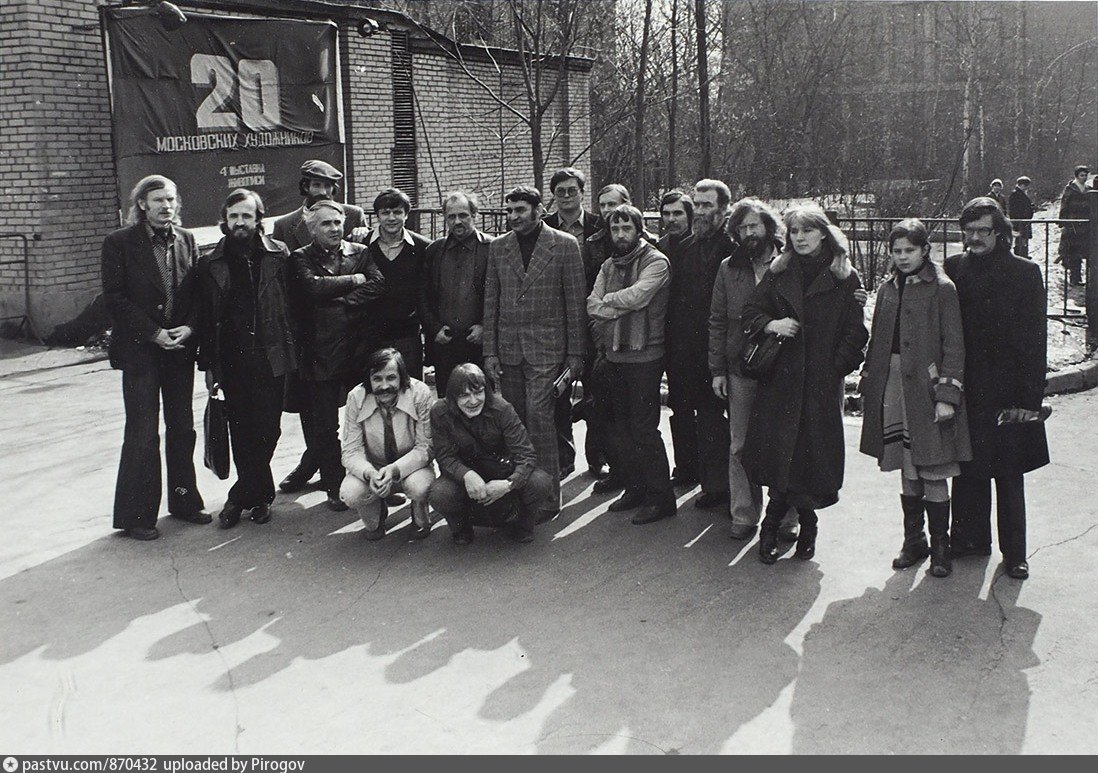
x=171, y=18
x=368, y=27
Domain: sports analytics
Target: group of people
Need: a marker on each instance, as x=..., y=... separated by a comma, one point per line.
x=1019, y=208
x=329, y=314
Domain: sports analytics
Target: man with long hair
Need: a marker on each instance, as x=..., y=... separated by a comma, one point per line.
x=151, y=293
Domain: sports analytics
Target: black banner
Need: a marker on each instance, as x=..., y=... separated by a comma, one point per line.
x=222, y=103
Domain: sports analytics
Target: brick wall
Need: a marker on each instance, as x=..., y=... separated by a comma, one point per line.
x=56, y=169
x=56, y=165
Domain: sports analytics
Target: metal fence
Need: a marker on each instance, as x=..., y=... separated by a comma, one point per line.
x=869, y=247
x=869, y=253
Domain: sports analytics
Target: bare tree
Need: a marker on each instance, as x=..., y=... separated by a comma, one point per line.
x=639, y=110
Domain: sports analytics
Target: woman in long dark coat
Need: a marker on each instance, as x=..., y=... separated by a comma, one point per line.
x=795, y=436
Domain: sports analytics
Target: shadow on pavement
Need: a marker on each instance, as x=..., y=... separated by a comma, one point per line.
x=933, y=669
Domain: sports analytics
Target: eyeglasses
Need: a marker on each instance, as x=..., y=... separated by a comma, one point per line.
x=982, y=231
x=566, y=192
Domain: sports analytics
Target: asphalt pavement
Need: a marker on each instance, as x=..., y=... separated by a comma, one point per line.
x=299, y=636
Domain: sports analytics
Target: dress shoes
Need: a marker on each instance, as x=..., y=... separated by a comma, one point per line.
x=395, y=500
x=261, y=514
x=608, y=485
x=742, y=531
x=597, y=471
x=462, y=537
x=336, y=504
x=655, y=512
x=789, y=533
x=143, y=533
x=806, y=545
x=195, y=516
x=373, y=535
x=415, y=531
x=296, y=480
x=567, y=470
x=229, y=515
x=710, y=499
x=628, y=501
x=1018, y=571
x=768, y=546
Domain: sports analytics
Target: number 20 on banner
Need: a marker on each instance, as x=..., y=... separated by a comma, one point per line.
x=256, y=80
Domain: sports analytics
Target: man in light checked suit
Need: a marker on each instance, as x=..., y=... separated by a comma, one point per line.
x=534, y=321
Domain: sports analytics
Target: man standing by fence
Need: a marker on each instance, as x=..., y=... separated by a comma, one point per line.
x=1073, y=236
x=1021, y=208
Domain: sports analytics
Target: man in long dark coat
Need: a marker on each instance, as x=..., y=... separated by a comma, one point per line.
x=1003, y=308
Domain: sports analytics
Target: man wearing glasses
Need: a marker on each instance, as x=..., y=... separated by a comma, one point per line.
x=567, y=186
x=1003, y=308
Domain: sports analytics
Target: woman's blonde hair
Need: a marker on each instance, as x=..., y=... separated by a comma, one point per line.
x=813, y=216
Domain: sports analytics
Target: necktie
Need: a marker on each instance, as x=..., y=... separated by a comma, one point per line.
x=390, y=437
x=162, y=256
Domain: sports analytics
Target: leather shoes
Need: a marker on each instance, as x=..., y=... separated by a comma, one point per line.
x=229, y=515
x=788, y=533
x=296, y=480
x=415, y=531
x=608, y=485
x=261, y=514
x=462, y=537
x=597, y=471
x=336, y=504
x=768, y=546
x=375, y=534
x=654, y=512
x=710, y=499
x=143, y=533
x=806, y=545
x=742, y=531
x=627, y=501
x=567, y=470
x=1018, y=571
x=197, y=516
x=395, y=500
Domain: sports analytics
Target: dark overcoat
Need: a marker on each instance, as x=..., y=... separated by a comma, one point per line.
x=1003, y=309
x=795, y=436
x=1021, y=208
x=1074, y=206
x=932, y=361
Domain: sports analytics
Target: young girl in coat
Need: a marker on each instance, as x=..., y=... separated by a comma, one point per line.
x=912, y=391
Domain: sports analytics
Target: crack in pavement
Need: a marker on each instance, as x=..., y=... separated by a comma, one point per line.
x=1084, y=533
x=220, y=654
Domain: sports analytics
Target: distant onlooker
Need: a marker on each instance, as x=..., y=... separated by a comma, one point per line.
x=996, y=192
x=1020, y=207
x=1073, y=236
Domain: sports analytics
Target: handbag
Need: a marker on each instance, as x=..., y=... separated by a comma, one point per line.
x=215, y=426
x=760, y=352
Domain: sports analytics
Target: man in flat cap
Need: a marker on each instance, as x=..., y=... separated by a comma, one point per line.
x=319, y=182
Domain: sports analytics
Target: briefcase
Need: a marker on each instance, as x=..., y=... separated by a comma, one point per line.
x=215, y=425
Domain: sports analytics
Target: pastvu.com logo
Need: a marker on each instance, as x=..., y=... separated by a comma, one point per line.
x=11, y=765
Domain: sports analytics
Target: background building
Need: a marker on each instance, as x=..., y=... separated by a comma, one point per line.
x=420, y=111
